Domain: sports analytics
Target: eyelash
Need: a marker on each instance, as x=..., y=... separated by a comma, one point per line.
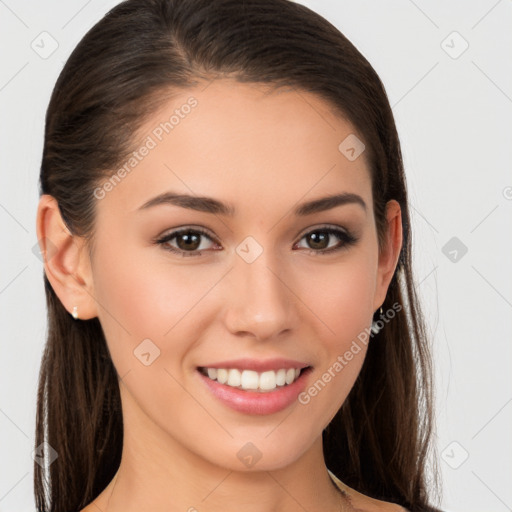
x=345, y=237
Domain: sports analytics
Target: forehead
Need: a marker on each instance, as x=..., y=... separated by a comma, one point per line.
x=239, y=141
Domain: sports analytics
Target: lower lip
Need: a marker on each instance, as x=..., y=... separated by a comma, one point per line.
x=254, y=402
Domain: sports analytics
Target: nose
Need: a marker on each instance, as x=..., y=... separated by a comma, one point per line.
x=260, y=300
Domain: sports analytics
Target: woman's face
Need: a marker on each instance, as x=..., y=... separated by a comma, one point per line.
x=214, y=254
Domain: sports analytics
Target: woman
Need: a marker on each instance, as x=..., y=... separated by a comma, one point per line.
x=232, y=317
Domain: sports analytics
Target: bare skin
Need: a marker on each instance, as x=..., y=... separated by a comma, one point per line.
x=263, y=154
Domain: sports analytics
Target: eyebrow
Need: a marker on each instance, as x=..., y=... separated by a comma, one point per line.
x=211, y=205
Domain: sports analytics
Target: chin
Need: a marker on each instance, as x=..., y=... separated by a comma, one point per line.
x=266, y=452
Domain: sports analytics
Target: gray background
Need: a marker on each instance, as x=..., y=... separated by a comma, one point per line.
x=453, y=110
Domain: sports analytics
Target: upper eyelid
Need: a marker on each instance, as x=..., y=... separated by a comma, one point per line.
x=323, y=226
x=176, y=231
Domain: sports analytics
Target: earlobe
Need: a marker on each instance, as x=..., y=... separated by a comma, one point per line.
x=66, y=261
x=388, y=256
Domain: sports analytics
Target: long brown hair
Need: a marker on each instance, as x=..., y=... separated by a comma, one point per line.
x=121, y=71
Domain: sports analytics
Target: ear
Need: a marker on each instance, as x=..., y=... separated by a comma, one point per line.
x=66, y=260
x=389, y=254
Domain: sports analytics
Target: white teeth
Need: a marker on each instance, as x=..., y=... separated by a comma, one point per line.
x=252, y=380
x=234, y=378
x=249, y=380
x=281, y=377
x=268, y=380
x=222, y=375
x=290, y=375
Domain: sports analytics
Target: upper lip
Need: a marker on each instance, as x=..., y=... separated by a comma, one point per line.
x=257, y=365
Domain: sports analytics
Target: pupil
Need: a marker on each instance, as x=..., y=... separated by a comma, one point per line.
x=317, y=240
x=191, y=241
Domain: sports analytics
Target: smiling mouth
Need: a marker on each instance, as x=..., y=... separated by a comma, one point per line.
x=250, y=380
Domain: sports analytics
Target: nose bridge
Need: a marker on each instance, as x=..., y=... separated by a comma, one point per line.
x=260, y=302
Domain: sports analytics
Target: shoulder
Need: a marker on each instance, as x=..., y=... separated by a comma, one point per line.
x=364, y=503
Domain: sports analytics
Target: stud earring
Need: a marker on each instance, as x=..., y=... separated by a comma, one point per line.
x=75, y=313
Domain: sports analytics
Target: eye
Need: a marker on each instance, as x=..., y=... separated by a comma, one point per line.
x=320, y=240
x=186, y=241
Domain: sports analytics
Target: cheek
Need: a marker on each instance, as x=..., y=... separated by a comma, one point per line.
x=141, y=298
x=342, y=297
x=342, y=302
